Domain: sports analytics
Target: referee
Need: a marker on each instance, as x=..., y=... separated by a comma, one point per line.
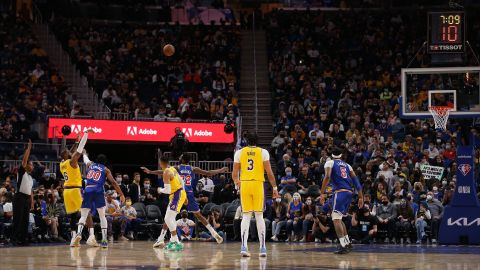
x=23, y=199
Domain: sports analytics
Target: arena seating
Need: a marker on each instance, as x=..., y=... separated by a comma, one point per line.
x=124, y=63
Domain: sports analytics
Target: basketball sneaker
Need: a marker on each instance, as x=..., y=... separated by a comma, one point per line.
x=104, y=244
x=244, y=252
x=159, y=244
x=218, y=238
x=174, y=246
x=91, y=241
x=76, y=240
x=263, y=252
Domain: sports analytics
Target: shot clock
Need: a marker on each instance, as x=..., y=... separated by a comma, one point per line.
x=446, y=32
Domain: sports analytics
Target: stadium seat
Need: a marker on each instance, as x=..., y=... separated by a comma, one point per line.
x=225, y=207
x=228, y=218
x=206, y=209
x=141, y=210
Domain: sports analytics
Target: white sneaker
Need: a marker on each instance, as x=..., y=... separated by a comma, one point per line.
x=91, y=241
x=159, y=244
x=318, y=240
x=110, y=239
x=274, y=238
x=123, y=238
x=130, y=236
x=76, y=240
x=244, y=252
x=218, y=238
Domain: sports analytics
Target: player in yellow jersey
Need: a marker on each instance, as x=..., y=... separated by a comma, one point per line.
x=177, y=197
x=72, y=187
x=249, y=165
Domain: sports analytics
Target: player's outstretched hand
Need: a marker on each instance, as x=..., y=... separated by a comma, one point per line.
x=224, y=169
x=90, y=130
x=122, y=199
x=145, y=170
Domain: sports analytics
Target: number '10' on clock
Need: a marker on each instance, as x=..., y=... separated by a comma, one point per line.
x=449, y=27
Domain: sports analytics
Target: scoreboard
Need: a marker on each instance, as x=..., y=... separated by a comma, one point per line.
x=446, y=32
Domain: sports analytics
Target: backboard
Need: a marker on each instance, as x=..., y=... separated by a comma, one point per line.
x=455, y=87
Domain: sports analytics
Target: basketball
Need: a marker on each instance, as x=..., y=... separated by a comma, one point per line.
x=168, y=50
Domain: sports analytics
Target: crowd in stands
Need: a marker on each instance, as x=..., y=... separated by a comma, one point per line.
x=126, y=66
x=335, y=82
x=31, y=86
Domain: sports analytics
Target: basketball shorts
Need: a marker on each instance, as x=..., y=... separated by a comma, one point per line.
x=252, y=196
x=177, y=199
x=93, y=199
x=341, y=202
x=73, y=199
x=192, y=205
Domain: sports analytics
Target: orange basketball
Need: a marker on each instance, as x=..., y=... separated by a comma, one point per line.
x=168, y=50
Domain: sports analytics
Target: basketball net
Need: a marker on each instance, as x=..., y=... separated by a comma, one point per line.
x=440, y=116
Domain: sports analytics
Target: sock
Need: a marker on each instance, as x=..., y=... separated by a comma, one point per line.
x=91, y=232
x=211, y=229
x=174, y=238
x=104, y=234
x=343, y=241
x=162, y=235
x=347, y=238
x=244, y=228
x=260, y=228
x=73, y=233
x=80, y=228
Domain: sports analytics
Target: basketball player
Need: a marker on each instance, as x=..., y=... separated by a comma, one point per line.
x=173, y=187
x=187, y=175
x=72, y=193
x=94, y=195
x=343, y=179
x=251, y=162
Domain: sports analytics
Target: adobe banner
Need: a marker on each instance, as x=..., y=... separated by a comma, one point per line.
x=140, y=131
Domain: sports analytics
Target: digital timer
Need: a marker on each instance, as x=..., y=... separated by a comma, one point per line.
x=446, y=32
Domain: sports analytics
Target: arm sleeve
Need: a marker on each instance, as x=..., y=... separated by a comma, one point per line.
x=265, y=155
x=236, y=157
x=82, y=143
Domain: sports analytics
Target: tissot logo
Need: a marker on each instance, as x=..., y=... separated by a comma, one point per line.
x=463, y=222
x=131, y=130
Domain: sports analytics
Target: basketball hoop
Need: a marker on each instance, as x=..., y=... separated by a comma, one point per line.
x=440, y=116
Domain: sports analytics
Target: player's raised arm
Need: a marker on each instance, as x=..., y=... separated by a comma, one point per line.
x=75, y=145
x=81, y=145
x=358, y=187
x=210, y=172
x=26, y=155
x=147, y=171
x=115, y=185
x=86, y=160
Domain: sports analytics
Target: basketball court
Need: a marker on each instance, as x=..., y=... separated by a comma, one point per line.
x=201, y=255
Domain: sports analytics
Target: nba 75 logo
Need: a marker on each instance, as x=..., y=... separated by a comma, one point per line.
x=464, y=169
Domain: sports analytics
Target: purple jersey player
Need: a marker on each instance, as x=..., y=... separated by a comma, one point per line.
x=344, y=182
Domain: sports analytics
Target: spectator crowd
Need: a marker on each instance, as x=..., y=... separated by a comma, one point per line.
x=126, y=66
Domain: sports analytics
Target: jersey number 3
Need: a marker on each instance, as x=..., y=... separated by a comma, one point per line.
x=343, y=172
x=250, y=165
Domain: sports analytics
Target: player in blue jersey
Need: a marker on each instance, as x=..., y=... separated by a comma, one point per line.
x=187, y=174
x=94, y=195
x=344, y=182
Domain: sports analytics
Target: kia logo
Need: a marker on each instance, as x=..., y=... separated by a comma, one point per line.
x=463, y=222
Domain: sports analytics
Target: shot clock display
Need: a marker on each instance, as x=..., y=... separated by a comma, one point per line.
x=446, y=32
